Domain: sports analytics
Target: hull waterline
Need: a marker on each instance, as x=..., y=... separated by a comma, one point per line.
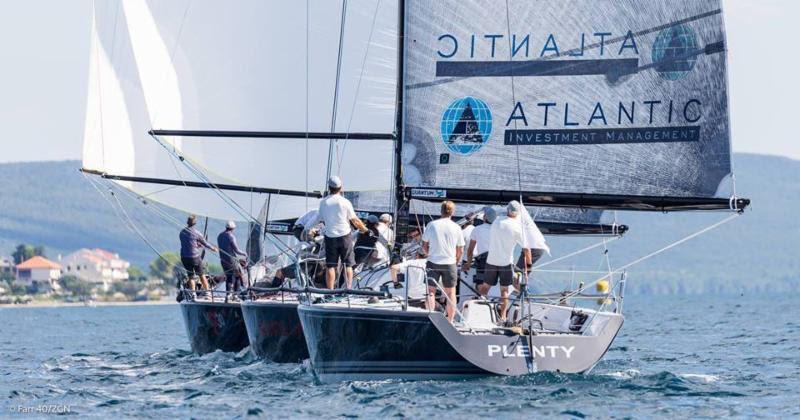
x=274, y=331
x=213, y=326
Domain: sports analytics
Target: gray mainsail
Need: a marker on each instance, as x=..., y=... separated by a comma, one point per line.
x=604, y=104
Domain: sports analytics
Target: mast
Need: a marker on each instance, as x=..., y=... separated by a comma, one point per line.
x=401, y=201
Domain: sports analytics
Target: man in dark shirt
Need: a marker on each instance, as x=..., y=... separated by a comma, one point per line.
x=228, y=253
x=192, y=245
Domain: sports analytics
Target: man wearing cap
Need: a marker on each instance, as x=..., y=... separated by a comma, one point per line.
x=386, y=236
x=479, y=248
x=192, y=245
x=506, y=234
x=337, y=213
x=228, y=252
x=443, y=242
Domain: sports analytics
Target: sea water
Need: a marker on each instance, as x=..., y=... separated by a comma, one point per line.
x=675, y=357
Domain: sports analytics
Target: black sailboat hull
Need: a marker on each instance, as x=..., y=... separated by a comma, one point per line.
x=366, y=345
x=214, y=326
x=275, y=331
x=361, y=343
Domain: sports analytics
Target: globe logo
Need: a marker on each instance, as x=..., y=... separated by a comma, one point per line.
x=675, y=52
x=466, y=125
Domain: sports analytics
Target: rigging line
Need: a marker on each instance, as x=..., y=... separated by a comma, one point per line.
x=307, y=97
x=126, y=219
x=340, y=156
x=572, y=254
x=159, y=212
x=159, y=191
x=513, y=99
x=659, y=251
x=225, y=198
x=336, y=90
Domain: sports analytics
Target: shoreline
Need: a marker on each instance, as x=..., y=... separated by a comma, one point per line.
x=45, y=304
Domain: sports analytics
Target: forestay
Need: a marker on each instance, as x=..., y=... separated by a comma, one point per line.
x=605, y=104
x=258, y=66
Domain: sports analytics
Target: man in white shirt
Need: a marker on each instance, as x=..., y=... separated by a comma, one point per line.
x=337, y=213
x=506, y=234
x=479, y=248
x=444, y=243
x=413, y=271
x=386, y=237
x=302, y=224
x=466, y=229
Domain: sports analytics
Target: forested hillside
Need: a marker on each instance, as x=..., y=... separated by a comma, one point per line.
x=51, y=204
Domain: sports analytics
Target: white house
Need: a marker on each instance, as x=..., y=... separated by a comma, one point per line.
x=96, y=266
x=6, y=265
x=39, y=271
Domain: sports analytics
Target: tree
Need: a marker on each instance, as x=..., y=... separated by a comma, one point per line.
x=75, y=285
x=39, y=250
x=25, y=252
x=166, y=266
x=136, y=274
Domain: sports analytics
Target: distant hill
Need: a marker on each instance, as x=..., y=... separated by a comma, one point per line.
x=50, y=203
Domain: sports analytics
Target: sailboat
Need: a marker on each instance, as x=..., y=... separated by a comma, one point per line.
x=222, y=126
x=611, y=105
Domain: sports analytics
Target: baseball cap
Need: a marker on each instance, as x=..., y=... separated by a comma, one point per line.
x=372, y=218
x=386, y=218
x=230, y=224
x=489, y=215
x=334, y=182
x=514, y=206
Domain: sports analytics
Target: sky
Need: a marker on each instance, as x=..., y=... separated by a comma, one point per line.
x=45, y=55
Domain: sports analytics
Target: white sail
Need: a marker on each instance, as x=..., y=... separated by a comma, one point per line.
x=206, y=65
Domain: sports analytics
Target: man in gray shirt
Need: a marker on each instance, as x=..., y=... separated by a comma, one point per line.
x=192, y=246
x=228, y=253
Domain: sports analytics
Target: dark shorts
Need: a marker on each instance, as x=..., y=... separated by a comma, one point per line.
x=193, y=266
x=536, y=255
x=480, y=268
x=505, y=274
x=337, y=249
x=446, y=274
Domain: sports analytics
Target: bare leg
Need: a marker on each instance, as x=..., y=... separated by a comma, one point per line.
x=451, y=303
x=430, y=303
x=348, y=276
x=204, y=282
x=191, y=283
x=503, y=302
x=483, y=289
x=330, y=277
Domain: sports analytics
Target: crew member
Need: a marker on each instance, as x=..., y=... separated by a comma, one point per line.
x=337, y=213
x=302, y=224
x=367, y=247
x=413, y=271
x=229, y=250
x=506, y=234
x=386, y=238
x=479, y=248
x=192, y=245
x=443, y=242
x=466, y=229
